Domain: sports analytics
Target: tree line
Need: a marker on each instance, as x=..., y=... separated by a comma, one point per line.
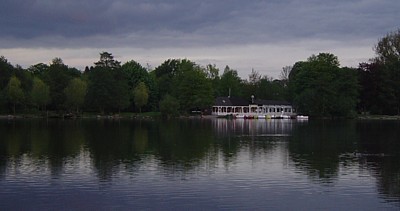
x=316, y=87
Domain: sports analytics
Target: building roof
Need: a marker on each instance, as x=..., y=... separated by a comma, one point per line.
x=237, y=101
x=230, y=101
x=271, y=102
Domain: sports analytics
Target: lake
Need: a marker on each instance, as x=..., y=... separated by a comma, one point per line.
x=199, y=164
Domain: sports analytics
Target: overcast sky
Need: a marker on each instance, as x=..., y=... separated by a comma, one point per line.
x=254, y=34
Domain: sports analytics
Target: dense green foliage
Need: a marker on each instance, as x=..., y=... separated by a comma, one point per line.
x=230, y=83
x=140, y=95
x=380, y=78
x=40, y=93
x=75, y=93
x=321, y=88
x=14, y=92
x=316, y=87
x=135, y=74
x=169, y=106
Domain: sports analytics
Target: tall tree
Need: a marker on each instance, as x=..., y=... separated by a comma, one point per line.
x=254, y=77
x=107, y=61
x=169, y=106
x=250, y=87
x=346, y=92
x=39, y=70
x=192, y=88
x=14, y=92
x=75, y=93
x=100, y=89
x=40, y=93
x=108, y=88
x=388, y=54
x=6, y=70
x=136, y=73
x=230, y=83
x=58, y=77
x=284, y=75
x=371, y=95
x=212, y=71
x=120, y=90
x=141, y=95
x=26, y=79
x=270, y=89
x=165, y=74
x=321, y=88
x=388, y=47
x=185, y=81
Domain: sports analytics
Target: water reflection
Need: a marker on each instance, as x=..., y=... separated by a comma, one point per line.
x=110, y=143
x=262, y=127
x=41, y=142
x=316, y=148
x=243, y=154
x=379, y=153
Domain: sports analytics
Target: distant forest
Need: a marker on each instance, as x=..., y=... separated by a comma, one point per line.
x=316, y=87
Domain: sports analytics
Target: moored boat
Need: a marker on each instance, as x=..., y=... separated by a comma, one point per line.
x=301, y=117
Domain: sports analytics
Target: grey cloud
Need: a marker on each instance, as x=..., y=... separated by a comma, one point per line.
x=157, y=23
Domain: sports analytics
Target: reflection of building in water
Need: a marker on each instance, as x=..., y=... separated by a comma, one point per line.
x=253, y=127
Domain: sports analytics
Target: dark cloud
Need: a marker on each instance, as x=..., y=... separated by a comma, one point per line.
x=89, y=18
x=160, y=23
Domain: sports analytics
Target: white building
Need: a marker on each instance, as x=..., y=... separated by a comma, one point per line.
x=241, y=108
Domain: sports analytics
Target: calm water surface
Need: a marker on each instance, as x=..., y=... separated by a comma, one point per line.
x=207, y=164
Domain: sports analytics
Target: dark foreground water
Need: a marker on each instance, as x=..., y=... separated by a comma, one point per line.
x=208, y=164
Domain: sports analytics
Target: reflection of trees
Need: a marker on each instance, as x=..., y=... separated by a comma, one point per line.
x=6, y=128
x=184, y=145
x=65, y=141
x=178, y=146
x=387, y=171
x=14, y=143
x=315, y=148
x=40, y=140
x=141, y=139
x=379, y=151
x=110, y=143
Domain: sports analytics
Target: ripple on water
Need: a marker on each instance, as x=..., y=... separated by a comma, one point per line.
x=257, y=172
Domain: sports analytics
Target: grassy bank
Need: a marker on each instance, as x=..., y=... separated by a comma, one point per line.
x=122, y=115
x=378, y=117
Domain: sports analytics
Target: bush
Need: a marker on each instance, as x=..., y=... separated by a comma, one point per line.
x=169, y=107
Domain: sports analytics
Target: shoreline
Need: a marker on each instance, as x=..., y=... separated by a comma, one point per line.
x=156, y=116
x=378, y=117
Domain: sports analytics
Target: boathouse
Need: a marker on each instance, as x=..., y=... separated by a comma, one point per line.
x=254, y=108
